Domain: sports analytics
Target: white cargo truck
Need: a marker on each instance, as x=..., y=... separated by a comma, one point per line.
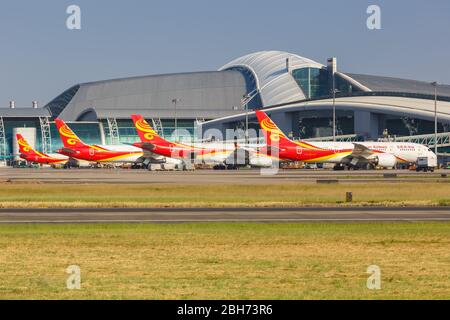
x=426, y=164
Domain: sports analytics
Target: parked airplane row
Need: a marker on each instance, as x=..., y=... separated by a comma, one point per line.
x=153, y=148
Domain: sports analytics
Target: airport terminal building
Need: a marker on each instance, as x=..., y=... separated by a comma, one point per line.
x=296, y=92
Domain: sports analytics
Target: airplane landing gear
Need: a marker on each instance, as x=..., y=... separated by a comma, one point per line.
x=339, y=167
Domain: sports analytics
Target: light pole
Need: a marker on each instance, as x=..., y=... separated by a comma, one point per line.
x=244, y=102
x=334, y=113
x=435, y=85
x=246, y=121
x=334, y=108
x=175, y=101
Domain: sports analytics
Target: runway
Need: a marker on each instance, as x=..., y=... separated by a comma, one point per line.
x=179, y=215
x=244, y=176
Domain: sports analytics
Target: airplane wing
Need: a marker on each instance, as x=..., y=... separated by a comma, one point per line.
x=361, y=151
x=147, y=154
x=239, y=156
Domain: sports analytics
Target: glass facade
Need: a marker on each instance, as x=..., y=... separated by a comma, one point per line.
x=185, y=129
x=312, y=81
x=405, y=126
x=314, y=124
x=343, y=87
x=317, y=83
x=11, y=124
x=88, y=132
x=128, y=134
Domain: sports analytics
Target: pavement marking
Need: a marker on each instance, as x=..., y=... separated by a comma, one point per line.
x=224, y=220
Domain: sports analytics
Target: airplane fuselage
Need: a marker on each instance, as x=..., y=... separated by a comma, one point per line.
x=209, y=153
x=341, y=152
x=104, y=153
x=51, y=158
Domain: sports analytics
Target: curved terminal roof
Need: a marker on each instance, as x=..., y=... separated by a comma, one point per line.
x=216, y=94
x=389, y=84
x=274, y=82
x=201, y=95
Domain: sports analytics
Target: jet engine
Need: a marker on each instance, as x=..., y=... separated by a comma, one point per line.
x=260, y=162
x=385, y=160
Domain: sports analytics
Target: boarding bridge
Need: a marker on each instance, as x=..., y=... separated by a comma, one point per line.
x=443, y=139
x=342, y=138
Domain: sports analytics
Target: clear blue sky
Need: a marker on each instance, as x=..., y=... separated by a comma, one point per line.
x=40, y=57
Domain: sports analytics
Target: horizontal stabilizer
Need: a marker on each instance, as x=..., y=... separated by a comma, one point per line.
x=144, y=145
x=68, y=150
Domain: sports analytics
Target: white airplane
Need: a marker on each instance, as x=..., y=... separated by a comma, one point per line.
x=222, y=154
x=382, y=154
x=75, y=148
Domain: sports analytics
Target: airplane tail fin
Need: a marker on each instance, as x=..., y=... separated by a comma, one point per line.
x=146, y=133
x=24, y=147
x=274, y=136
x=68, y=137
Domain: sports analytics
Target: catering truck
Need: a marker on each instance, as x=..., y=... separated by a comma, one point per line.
x=426, y=164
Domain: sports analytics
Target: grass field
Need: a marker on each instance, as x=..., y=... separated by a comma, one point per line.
x=226, y=261
x=216, y=195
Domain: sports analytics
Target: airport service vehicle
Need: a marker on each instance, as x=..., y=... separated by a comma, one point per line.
x=425, y=164
x=75, y=148
x=217, y=154
x=349, y=154
x=30, y=155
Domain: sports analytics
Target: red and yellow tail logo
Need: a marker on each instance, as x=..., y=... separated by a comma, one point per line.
x=271, y=131
x=143, y=126
x=274, y=135
x=24, y=147
x=145, y=131
x=69, y=138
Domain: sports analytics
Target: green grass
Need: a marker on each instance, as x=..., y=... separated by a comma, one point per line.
x=216, y=195
x=226, y=261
